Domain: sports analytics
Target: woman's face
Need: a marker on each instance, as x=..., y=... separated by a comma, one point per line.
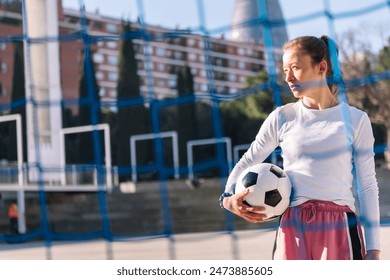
x=302, y=76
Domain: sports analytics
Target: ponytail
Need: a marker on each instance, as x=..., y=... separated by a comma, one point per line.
x=333, y=73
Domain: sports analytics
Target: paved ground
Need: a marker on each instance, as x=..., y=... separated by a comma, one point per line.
x=243, y=245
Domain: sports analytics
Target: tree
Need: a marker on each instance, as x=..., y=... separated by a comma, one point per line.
x=243, y=117
x=69, y=120
x=187, y=121
x=357, y=62
x=18, y=102
x=131, y=119
x=362, y=64
x=89, y=113
x=382, y=113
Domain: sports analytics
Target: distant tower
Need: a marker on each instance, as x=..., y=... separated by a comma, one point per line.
x=245, y=12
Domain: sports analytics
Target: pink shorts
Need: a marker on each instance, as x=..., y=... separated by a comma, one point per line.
x=319, y=230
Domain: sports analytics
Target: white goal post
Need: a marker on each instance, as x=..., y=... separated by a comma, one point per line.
x=237, y=149
x=208, y=141
x=19, y=153
x=107, y=150
x=149, y=136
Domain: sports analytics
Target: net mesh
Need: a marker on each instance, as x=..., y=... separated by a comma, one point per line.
x=80, y=198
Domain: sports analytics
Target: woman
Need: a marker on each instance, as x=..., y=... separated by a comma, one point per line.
x=326, y=146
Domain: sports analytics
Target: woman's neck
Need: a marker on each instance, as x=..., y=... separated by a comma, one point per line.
x=320, y=101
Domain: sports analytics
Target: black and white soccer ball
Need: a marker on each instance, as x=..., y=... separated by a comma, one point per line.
x=268, y=186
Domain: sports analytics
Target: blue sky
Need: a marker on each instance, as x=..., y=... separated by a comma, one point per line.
x=218, y=13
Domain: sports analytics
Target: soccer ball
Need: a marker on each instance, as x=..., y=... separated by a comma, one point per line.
x=268, y=186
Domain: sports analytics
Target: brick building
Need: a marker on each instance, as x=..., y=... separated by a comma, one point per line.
x=229, y=62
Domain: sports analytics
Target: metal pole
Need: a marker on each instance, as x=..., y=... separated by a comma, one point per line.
x=21, y=199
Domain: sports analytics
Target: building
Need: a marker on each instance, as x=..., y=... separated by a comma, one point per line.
x=230, y=61
x=10, y=26
x=244, y=29
x=159, y=60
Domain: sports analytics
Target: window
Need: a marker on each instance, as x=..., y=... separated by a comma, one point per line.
x=112, y=44
x=160, y=52
x=232, y=77
x=161, y=82
x=233, y=90
x=4, y=67
x=99, y=75
x=102, y=91
x=112, y=59
x=97, y=25
x=172, y=83
x=111, y=27
x=219, y=62
x=192, y=56
x=3, y=91
x=113, y=93
x=178, y=55
x=98, y=58
x=148, y=66
x=113, y=76
x=191, y=42
x=161, y=67
x=148, y=50
x=221, y=89
x=232, y=63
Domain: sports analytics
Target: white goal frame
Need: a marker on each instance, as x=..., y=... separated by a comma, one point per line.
x=148, y=136
x=237, y=148
x=208, y=141
x=19, y=188
x=107, y=151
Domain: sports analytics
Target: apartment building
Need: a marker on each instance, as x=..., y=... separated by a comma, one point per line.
x=217, y=64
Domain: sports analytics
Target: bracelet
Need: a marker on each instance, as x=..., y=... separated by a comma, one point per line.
x=221, y=198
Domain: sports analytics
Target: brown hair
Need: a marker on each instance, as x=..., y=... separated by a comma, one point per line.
x=318, y=49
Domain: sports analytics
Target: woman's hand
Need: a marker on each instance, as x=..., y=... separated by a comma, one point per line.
x=236, y=205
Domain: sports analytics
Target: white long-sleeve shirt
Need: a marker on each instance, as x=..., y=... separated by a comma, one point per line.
x=322, y=150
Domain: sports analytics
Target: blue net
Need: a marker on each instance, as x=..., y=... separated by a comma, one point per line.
x=165, y=199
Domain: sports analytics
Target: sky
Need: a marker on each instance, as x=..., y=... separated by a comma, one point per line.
x=217, y=14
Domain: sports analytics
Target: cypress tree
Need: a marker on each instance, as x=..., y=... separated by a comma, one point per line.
x=187, y=124
x=89, y=104
x=131, y=119
x=18, y=97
